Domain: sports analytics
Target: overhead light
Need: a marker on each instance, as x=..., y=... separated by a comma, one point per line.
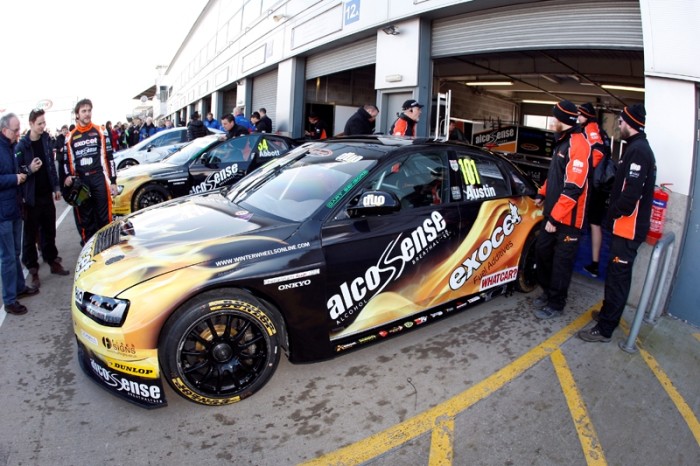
x=489, y=83
x=622, y=88
x=541, y=102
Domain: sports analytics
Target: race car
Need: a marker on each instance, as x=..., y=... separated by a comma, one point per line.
x=336, y=245
x=205, y=164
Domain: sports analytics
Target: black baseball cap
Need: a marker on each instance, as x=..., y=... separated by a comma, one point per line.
x=410, y=103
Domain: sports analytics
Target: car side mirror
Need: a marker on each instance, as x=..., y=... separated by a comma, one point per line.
x=375, y=203
x=149, y=147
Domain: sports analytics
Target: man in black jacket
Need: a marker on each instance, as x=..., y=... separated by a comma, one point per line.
x=233, y=130
x=38, y=193
x=362, y=121
x=265, y=124
x=196, y=128
x=628, y=219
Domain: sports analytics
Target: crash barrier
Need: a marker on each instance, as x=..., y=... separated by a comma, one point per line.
x=653, y=283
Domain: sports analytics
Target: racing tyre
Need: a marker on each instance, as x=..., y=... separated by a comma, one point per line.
x=220, y=347
x=527, y=269
x=127, y=163
x=149, y=195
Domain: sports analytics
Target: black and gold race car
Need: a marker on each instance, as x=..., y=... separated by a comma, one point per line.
x=332, y=247
x=205, y=164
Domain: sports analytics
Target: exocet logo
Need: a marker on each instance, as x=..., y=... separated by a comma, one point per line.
x=214, y=180
x=355, y=293
x=289, y=286
x=481, y=254
x=84, y=142
x=125, y=385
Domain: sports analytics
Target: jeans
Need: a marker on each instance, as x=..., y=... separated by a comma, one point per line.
x=10, y=265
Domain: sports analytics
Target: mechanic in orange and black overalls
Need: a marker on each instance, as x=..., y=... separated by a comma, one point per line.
x=405, y=124
x=564, y=196
x=318, y=128
x=89, y=158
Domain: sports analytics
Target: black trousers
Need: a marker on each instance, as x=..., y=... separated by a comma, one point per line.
x=623, y=252
x=95, y=212
x=556, y=253
x=39, y=227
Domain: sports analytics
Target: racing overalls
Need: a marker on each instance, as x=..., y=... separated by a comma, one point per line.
x=565, y=194
x=89, y=158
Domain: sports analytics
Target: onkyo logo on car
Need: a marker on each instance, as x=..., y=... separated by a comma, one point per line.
x=481, y=254
x=355, y=293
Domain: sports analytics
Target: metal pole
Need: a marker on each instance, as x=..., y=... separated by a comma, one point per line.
x=669, y=239
x=649, y=285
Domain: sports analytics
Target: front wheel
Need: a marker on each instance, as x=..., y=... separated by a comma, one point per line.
x=527, y=266
x=126, y=164
x=220, y=347
x=149, y=195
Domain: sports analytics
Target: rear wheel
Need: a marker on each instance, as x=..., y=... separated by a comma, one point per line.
x=149, y=195
x=220, y=347
x=527, y=266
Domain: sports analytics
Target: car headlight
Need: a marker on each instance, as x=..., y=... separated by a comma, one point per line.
x=102, y=309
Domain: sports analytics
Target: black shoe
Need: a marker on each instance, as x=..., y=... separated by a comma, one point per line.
x=28, y=291
x=15, y=308
x=592, y=269
x=541, y=301
x=594, y=315
x=57, y=269
x=593, y=336
x=548, y=312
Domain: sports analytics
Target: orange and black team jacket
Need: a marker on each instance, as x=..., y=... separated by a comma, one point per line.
x=595, y=138
x=403, y=126
x=632, y=193
x=88, y=152
x=565, y=191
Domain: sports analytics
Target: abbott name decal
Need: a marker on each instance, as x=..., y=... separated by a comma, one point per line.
x=354, y=294
x=481, y=254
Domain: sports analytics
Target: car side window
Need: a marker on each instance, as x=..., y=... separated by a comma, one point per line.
x=417, y=180
x=234, y=150
x=482, y=178
x=271, y=147
x=167, y=139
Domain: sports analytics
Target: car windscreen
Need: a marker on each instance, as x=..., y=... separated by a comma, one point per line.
x=186, y=153
x=294, y=189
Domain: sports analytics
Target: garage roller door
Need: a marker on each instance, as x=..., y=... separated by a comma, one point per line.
x=545, y=25
x=347, y=57
x=265, y=95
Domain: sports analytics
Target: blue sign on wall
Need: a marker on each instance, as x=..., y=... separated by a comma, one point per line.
x=352, y=11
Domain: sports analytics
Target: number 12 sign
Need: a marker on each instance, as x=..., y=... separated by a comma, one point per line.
x=352, y=11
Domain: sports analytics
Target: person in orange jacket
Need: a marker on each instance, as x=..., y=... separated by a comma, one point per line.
x=405, y=124
x=563, y=197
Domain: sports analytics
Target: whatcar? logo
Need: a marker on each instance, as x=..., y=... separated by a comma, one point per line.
x=354, y=291
x=461, y=274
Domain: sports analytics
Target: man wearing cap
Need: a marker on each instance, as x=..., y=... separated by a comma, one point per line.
x=600, y=148
x=405, y=124
x=563, y=197
x=628, y=219
x=195, y=128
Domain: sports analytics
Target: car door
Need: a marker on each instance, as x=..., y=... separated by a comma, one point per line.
x=384, y=271
x=223, y=164
x=161, y=145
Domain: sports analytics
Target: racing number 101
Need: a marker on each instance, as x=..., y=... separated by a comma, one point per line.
x=469, y=171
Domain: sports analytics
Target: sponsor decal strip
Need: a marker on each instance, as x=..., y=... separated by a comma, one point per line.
x=257, y=255
x=294, y=276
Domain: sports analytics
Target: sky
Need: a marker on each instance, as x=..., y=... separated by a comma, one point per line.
x=66, y=50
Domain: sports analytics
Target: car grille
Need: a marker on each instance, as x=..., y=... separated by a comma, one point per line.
x=107, y=238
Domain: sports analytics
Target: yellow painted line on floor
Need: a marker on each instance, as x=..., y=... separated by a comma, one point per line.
x=587, y=435
x=441, y=443
x=394, y=436
x=697, y=335
x=665, y=381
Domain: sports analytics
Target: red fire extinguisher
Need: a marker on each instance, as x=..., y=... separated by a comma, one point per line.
x=658, y=213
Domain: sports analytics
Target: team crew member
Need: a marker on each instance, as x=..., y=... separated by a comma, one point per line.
x=628, y=218
x=89, y=159
x=564, y=194
x=232, y=128
x=405, y=124
x=318, y=128
x=600, y=148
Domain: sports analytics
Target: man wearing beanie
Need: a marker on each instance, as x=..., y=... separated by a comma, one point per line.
x=600, y=148
x=628, y=219
x=563, y=197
